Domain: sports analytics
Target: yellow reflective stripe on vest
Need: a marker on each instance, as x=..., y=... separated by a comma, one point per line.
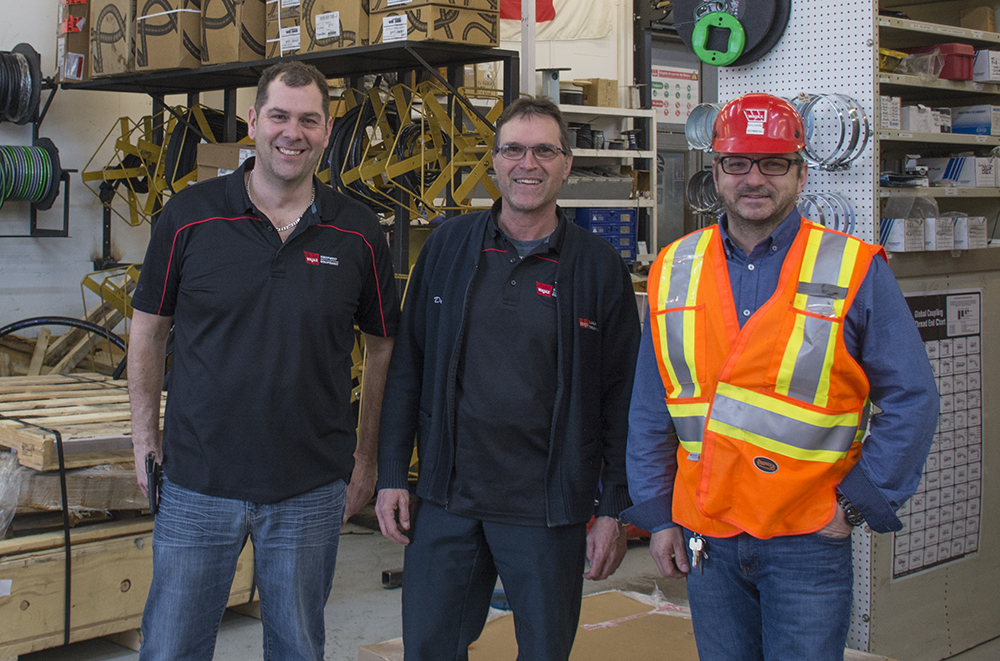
x=689, y=423
x=680, y=277
x=759, y=419
x=824, y=279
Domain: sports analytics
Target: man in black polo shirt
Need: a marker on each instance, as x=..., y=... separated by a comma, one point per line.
x=262, y=274
x=513, y=368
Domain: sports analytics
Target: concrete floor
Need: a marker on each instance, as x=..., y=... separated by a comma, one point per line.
x=361, y=611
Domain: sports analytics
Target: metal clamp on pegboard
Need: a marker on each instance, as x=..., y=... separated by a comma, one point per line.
x=837, y=129
x=832, y=210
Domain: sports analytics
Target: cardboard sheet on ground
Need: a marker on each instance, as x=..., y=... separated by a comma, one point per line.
x=612, y=626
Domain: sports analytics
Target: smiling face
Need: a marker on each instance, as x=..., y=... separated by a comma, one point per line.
x=757, y=200
x=530, y=186
x=290, y=130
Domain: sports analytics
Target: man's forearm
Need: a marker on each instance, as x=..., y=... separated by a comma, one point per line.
x=378, y=350
x=146, y=358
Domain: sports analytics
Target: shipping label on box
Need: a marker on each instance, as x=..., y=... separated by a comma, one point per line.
x=72, y=41
x=939, y=233
x=389, y=5
x=961, y=171
x=232, y=31
x=112, y=37
x=987, y=66
x=976, y=120
x=436, y=23
x=970, y=233
x=168, y=38
x=283, y=31
x=902, y=234
x=335, y=24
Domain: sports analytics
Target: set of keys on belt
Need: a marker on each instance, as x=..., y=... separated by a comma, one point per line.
x=699, y=552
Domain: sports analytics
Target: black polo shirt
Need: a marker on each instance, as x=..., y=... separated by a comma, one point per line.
x=259, y=388
x=507, y=380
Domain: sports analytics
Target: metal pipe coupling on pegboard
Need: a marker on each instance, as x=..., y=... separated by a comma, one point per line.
x=832, y=210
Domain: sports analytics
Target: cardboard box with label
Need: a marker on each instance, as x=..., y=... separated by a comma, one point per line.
x=436, y=23
x=599, y=92
x=939, y=233
x=168, y=38
x=72, y=41
x=283, y=30
x=333, y=24
x=976, y=120
x=978, y=18
x=970, y=233
x=961, y=171
x=889, y=112
x=112, y=37
x=484, y=75
x=232, y=31
x=219, y=159
x=919, y=119
x=986, y=67
x=901, y=234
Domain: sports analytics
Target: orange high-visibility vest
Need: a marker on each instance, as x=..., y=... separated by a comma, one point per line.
x=770, y=417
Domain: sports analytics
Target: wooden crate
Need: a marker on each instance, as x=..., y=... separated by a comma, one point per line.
x=89, y=411
x=112, y=567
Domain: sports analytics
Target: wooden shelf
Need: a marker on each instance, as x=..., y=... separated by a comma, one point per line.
x=960, y=139
x=903, y=32
x=939, y=191
x=947, y=88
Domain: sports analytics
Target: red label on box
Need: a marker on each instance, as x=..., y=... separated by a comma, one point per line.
x=70, y=25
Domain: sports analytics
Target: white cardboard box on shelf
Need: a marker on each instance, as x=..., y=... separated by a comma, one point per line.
x=902, y=234
x=919, y=119
x=939, y=234
x=976, y=120
x=987, y=66
x=962, y=171
x=970, y=233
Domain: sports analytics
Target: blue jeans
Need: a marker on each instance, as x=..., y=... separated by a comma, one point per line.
x=785, y=598
x=450, y=570
x=196, y=542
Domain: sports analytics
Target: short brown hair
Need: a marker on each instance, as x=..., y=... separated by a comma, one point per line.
x=293, y=74
x=533, y=106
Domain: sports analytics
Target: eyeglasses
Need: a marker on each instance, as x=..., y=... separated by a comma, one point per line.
x=515, y=152
x=771, y=166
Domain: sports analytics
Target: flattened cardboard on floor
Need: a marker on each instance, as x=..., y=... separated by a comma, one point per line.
x=335, y=24
x=71, y=42
x=283, y=31
x=112, y=37
x=232, y=31
x=168, y=38
x=389, y=5
x=436, y=23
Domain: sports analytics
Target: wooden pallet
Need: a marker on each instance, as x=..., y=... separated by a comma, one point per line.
x=112, y=567
x=89, y=411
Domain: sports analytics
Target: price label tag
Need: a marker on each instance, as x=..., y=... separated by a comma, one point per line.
x=883, y=193
x=951, y=190
x=883, y=79
x=906, y=135
x=981, y=138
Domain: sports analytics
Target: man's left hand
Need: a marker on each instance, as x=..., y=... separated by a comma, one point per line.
x=605, y=548
x=362, y=487
x=838, y=527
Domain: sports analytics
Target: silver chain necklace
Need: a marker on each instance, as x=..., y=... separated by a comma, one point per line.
x=295, y=222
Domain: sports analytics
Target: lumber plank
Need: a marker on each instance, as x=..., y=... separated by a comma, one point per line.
x=108, y=487
x=38, y=355
x=52, y=540
x=131, y=639
x=94, y=398
x=86, y=344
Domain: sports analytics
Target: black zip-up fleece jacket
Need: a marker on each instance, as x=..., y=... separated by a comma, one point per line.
x=598, y=326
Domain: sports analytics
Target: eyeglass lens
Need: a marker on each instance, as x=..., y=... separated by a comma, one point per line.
x=516, y=152
x=771, y=166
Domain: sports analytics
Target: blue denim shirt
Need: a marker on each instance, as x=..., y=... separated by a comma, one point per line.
x=879, y=333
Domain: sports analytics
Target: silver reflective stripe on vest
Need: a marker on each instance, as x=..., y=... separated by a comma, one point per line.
x=682, y=273
x=689, y=429
x=779, y=428
x=822, y=292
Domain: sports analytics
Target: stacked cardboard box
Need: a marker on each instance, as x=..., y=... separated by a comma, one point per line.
x=333, y=24
x=217, y=160
x=232, y=31
x=71, y=41
x=168, y=38
x=283, y=28
x=112, y=37
x=459, y=21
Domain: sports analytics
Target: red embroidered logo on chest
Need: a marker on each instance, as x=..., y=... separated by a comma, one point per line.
x=587, y=324
x=311, y=257
x=544, y=289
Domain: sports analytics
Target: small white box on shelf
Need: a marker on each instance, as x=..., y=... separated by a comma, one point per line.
x=939, y=234
x=902, y=234
x=942, y=119
x=970, y=233
x=919, y=119
x=987, y=66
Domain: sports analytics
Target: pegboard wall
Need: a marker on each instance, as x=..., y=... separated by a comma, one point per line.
x=828, y=46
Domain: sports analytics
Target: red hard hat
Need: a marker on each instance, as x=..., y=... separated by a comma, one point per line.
x=758, y=124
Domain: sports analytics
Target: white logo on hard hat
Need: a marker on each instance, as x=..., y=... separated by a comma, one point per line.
x=756, y=118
